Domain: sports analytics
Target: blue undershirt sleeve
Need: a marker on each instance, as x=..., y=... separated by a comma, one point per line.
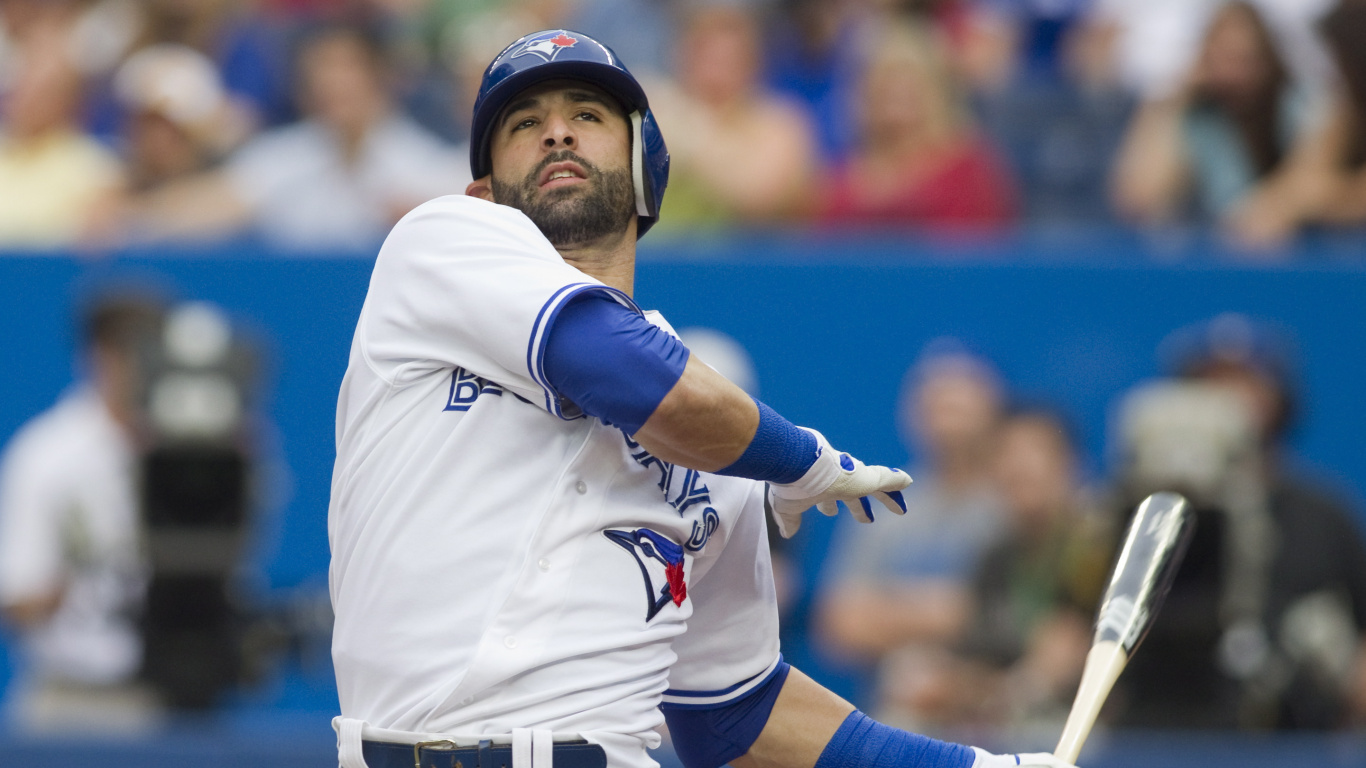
x=610, y=361
x=616, y=366
x=709, y=737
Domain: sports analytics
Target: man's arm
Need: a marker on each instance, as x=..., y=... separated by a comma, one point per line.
x=32, y=611
x=810, y=727
x=867, y=619
x=805, y=717
x=705, y=422
x=615, y=365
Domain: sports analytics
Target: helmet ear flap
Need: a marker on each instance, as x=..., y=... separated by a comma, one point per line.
x=650, y=167
x=645, y=206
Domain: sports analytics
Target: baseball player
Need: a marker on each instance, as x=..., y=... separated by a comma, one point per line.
x=547, y=518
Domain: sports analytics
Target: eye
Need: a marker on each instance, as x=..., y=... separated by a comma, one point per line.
x=586, y=115
x=525, y=122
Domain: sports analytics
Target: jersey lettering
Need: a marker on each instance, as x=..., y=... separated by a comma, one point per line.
x=682, y=490
x=466, y=388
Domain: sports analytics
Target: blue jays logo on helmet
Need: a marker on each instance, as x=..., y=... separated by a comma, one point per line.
x=652, y=549
x=547, y=45
x=556, y=54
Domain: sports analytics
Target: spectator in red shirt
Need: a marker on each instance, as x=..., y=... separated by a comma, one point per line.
x=920, y=161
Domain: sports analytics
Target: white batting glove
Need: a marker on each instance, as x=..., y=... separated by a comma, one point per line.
x=1040, y=759
x=836, y=477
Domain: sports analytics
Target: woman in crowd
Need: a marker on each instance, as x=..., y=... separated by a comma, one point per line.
x=919, y=160
x=1222, y=140
x=1325, y=178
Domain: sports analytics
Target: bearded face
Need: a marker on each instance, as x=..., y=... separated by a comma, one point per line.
x=577, y=214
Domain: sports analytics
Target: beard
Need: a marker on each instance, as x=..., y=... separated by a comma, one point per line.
x=573, y=215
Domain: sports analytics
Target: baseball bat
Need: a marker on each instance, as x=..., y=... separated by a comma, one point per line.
x=1153, y=547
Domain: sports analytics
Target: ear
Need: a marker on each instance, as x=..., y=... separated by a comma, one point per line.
x=481, y=188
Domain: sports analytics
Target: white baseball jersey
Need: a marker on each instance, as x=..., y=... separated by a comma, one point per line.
x=498, y=560
x=69, y=524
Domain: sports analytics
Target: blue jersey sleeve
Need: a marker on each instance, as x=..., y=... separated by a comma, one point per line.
x=610, y=361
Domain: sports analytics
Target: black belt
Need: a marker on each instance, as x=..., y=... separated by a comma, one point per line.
x=441, y=754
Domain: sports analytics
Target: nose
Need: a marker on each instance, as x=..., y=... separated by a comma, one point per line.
x=559, y=133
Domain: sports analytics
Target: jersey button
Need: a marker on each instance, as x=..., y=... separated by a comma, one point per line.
x=543, y=564
x=582, y=487
x=510, y=641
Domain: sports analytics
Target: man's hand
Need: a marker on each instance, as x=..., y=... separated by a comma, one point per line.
x=836, y=477
x=1040, y=759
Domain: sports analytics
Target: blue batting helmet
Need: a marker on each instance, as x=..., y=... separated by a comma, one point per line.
x=560, y=53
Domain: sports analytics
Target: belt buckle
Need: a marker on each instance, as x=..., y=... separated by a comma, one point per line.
x=421, y=745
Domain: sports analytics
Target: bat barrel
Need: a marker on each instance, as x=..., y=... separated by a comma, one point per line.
x=1153, y=548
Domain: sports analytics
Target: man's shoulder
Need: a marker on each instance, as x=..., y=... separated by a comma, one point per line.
x=48, y=439
x=465, y=210
x=462, y=221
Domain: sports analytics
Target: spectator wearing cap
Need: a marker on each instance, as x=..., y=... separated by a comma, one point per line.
x=337, y=180
x=52, y=174
x=887, y=588
x=1271, y=601
x=178, y=121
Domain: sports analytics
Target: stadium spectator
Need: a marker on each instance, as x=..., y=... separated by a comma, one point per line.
x=1265, y=626
x=1020, y=657
x=1325, y=178
x=887, y=587
x=179, y=117
x=639, y=31
x=51, y=172
x=919, y=160
x=178, y=121
x=814, y=55
x=246, y=47
x=741, y=154
x=1226, y=132
x=1056, y=119
x=71, y=570
x=338, y=179
x=1148, y=46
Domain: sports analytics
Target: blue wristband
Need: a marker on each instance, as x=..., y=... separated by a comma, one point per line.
x=780, y=452
x=862, y=742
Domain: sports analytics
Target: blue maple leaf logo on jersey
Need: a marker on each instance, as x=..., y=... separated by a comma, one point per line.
x=547, y=45
x=644, y=545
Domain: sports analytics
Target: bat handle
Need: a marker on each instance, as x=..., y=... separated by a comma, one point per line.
x=1103, y=665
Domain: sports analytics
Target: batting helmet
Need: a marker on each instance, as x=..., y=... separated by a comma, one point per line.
x=560, y=53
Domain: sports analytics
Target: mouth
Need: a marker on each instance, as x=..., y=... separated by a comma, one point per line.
x=562, y=174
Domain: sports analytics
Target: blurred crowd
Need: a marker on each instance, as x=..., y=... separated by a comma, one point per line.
x=315, y=124
x=973, y=617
